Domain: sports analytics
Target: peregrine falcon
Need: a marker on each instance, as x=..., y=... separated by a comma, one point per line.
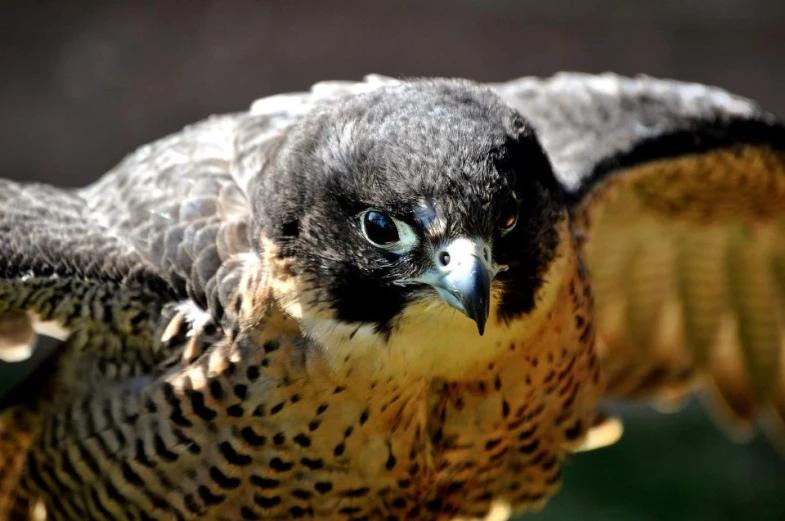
x=389, y=299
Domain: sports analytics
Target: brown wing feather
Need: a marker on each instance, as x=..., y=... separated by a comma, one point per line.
x=686, y=257
x=679, y=192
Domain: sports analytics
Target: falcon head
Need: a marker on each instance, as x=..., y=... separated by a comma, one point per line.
x=416, y=209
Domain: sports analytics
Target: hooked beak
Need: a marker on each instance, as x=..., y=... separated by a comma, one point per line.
x=462, y=276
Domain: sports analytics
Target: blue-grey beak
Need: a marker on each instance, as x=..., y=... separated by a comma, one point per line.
x=462, y=276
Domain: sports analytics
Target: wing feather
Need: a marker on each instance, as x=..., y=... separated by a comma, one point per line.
x=679, y=192
x=169, y=223
x=59, y=265
x=182, y=201
x=62, y=273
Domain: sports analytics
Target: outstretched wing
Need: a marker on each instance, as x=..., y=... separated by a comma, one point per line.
x=103, y=265
x=61, y=272
x=177, y=203
x=168, y=224
x=678, y=190
x=64, y=275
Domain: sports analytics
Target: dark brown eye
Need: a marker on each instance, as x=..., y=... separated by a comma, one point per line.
x=379, y=228
x=386, y=232
x=509, y=215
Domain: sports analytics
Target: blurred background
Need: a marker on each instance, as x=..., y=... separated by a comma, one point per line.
x=82, y=83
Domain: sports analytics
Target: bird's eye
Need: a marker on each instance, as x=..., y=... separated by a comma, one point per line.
x=509, y=216
x=380, y=229
x=387, y=232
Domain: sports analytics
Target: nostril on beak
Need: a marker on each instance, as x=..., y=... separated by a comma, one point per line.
x=462, y=275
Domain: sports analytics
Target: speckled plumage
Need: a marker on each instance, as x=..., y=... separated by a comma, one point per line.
x=237, y=350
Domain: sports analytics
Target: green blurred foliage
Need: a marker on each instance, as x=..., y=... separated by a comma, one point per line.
x=672, y=467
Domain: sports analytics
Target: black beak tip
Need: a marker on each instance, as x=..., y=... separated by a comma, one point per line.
x=469, y=291
x=477, y=299
x=481, y=327
x=479, y=313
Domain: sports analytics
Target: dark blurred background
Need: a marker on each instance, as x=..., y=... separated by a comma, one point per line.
x=82, y=83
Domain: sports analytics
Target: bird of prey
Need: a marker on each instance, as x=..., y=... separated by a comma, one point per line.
x=389, y=299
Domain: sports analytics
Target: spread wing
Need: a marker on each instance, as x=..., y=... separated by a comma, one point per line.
x=679, y=193
x=61, y=272
x=167, y=225
x=176, y=202
x=117, y=266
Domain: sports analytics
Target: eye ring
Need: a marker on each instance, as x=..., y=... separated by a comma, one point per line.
x=509, y=216
x=386, y=232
